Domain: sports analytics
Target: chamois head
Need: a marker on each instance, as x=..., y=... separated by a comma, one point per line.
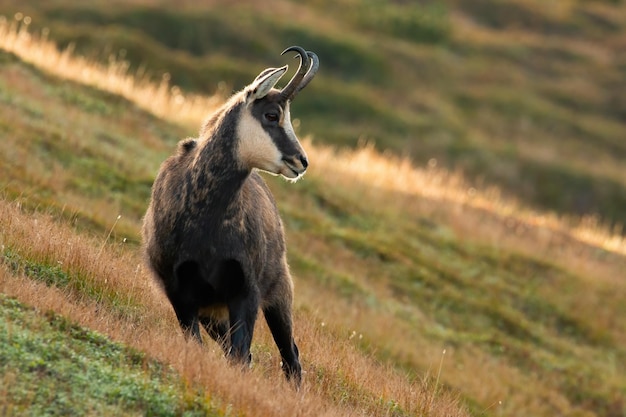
x=266, y=139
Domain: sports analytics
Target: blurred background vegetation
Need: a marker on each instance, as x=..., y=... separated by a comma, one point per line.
x=527, y=95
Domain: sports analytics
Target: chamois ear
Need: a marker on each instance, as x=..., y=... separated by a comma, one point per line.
x=265, y=82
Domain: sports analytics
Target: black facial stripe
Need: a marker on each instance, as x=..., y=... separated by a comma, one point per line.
x=283, y=142
x=272, y=104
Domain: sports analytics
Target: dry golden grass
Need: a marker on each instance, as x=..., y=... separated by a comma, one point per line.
x=340, y=381
x=160, y=99
x=391, y=173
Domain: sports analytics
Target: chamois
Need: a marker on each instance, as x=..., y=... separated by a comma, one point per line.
x=212, y=234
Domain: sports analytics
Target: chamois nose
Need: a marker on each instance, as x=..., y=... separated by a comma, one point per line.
x=305, y=162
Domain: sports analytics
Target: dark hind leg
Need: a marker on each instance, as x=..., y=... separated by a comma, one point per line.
x=278, y=317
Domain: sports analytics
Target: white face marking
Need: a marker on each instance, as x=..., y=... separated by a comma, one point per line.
x=286, y=124
x=255, y=146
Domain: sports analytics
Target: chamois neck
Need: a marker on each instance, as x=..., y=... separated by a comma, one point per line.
x=216, y=173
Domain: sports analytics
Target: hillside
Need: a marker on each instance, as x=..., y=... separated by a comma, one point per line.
x=394, y=266
x=519, y=94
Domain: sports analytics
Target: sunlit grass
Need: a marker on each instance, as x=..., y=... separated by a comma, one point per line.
x=400, y=175
x=161, y=99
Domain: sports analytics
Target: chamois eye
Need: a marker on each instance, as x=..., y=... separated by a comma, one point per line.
x=271, y=117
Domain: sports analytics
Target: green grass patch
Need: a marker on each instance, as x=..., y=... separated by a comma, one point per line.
x=51, y=367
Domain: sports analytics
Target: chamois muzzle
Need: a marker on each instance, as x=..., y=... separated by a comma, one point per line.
x=309, y=63
x=295, y=166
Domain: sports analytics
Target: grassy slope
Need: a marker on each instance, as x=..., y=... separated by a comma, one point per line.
x=70, y=152
x=516, y=93
x=527, y=315
x=45, y=120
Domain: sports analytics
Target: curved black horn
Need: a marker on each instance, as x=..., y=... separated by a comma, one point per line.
x=315, y=64
x=289, y=91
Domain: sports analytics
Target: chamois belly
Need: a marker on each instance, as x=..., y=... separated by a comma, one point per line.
x=217, y=312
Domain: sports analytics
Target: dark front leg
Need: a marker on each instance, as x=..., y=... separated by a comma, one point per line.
x=278, y=319
x=242, y=313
